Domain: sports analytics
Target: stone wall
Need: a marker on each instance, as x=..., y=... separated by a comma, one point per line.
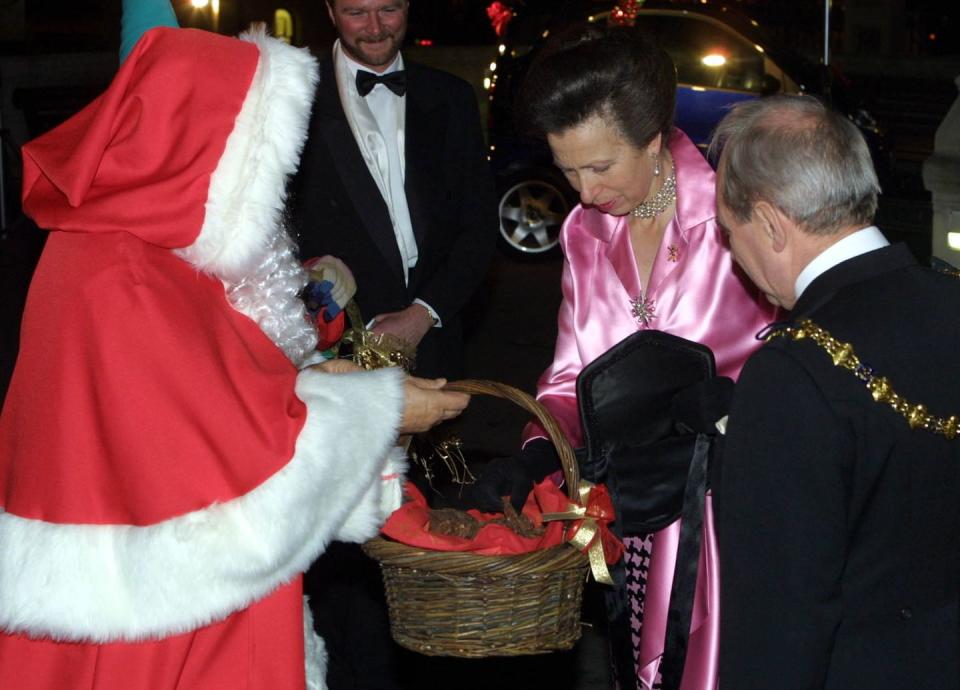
x=941, y=176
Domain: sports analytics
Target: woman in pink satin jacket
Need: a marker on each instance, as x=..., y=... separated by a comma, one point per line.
x=642, y=250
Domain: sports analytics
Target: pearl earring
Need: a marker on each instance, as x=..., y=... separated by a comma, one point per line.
x=656, y=166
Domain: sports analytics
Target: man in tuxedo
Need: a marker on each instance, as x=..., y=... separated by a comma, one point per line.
x=394, y=181
x=838, y=505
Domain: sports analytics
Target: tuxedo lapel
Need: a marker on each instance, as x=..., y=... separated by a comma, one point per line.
x=348, y=161
x=426, y=125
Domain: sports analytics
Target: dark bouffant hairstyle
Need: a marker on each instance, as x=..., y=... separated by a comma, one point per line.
x=615, y=72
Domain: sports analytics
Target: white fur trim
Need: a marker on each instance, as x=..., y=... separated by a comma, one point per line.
x=105, y=583
x=314, y=652
x=382, y=498
x=391, y=491
x=247, y=189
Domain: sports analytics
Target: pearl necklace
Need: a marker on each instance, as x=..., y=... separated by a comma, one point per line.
x=661, y=201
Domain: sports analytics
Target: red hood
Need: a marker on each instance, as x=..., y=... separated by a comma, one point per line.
x=139, y=158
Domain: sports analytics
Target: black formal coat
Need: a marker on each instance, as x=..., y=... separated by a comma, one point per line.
x=838, y=525
x=337, y=208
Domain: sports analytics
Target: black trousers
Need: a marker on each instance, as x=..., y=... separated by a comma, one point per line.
x=350, y=614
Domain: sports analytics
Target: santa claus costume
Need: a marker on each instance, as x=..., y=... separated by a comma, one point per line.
x=166, y=472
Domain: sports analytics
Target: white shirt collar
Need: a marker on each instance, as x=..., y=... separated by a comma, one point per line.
x=855, y=244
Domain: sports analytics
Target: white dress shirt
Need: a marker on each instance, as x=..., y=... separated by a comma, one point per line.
x=854, y=244
x=378, y=123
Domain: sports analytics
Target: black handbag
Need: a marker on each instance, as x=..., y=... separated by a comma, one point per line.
x=655, y=468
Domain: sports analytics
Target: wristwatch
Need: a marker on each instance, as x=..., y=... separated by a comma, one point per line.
x=430, y=312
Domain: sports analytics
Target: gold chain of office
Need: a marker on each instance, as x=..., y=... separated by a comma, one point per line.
x=880, y=388
x=949, y=270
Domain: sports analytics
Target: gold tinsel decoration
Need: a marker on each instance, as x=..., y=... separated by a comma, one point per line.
x=376, y=350
x=449, y=452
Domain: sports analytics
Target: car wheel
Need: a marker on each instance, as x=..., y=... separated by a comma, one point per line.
x=532, y=208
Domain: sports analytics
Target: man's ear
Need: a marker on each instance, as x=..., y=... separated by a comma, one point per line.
x=774, y=224
x=329, y=4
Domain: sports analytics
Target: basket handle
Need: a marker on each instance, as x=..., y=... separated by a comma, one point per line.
x=568, y=460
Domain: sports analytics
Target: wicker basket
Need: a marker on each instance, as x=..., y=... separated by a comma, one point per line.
x=467, y=605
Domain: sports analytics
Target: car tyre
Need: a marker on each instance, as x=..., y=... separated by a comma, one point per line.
x=532, y=207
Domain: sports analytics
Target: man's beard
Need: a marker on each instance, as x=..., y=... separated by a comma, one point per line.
x=270, y=295
x=356, y=51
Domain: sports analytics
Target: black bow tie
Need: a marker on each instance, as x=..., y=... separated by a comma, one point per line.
x=395, y=81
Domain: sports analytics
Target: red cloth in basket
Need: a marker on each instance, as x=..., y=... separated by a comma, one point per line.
x=410, y=525
x=411, y=522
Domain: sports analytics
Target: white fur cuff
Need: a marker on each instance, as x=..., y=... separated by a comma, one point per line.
x=105, y=583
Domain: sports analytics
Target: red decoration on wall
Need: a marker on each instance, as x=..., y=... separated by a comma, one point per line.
x=500, y=15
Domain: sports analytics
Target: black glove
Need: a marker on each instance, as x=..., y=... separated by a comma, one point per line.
x=698, y=407
x=512, y=476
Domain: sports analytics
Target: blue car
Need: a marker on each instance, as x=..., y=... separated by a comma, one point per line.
x=721, y=56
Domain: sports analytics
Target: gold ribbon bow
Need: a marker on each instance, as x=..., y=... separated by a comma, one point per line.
x=594, y=512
